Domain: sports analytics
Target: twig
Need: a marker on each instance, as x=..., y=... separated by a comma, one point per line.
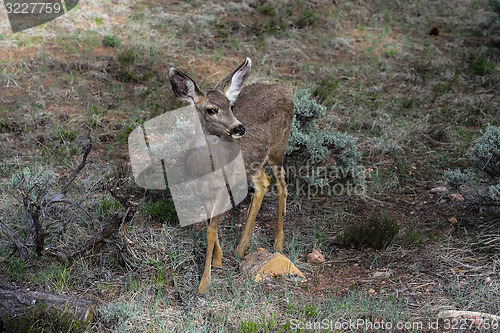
x=23, y=250
x=71, y=202
x=82, y=164
x=474, y=268
x=125, y=201
x=106, y=231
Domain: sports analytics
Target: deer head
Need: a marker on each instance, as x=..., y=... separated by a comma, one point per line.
x=215, y=106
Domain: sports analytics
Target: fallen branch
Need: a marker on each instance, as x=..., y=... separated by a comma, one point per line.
x=467, y=314
x=14, y=302
x=94, y=242
x=108, y=229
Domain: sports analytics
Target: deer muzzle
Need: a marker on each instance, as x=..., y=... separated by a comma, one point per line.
x=237, y=131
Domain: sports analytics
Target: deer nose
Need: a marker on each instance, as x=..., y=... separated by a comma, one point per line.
x=238, y=130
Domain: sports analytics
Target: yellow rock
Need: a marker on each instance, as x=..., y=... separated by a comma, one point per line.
x=263, y=265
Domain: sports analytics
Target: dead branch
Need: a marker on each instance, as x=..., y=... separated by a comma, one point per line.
x=37, y=234
x=14, y=302
x=76, y=204
x=124, y=201
x=21, y=248
x=108, y=229
x=94, y=242
x=86, y=151
x=467, y=314
x=36, y=212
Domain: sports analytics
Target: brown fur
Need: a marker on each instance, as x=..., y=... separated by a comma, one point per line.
x=266, y=112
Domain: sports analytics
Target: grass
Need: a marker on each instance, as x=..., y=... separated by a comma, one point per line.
x=414, y=102
x=40, y=318
x=162, y=210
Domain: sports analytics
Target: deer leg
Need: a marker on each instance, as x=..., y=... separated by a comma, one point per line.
x=279, y=175
x=261, y=183
x=211, y=240
x=217, y=253
x=217, y=259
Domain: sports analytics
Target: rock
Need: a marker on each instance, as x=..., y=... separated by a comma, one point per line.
x=439, y=189
x=106, y=137
x=456, y=197
x=437, y=134
x=315, y=257
x=140, y=90
x=263, y=265
x=382, y=274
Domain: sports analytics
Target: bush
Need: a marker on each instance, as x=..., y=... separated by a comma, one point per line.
x=317, y=144
x=377, y=234
x=111, y=40
x=37, y=181
x=492, y=22
x=485, y=156
x=495, y=5
x=486, y=152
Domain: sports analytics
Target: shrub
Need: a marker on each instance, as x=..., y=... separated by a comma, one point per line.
x=117, y=313
x=326, y=87
x=492, y=22
x=308, y=139
x=485, y=156
x=307, y=18
x=494, y=192
x=36, y=181
x=495, y=5
x=377, y=234
x=486, y=152
x=127, y=57
x=111, y=40
x=457, y=178
x=17, y=269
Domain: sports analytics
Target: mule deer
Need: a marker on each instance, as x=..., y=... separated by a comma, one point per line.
x=257, y=118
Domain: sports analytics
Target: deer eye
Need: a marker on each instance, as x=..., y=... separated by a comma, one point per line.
x=212, y=111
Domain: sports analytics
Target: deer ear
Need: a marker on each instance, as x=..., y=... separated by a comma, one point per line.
x=231, y=84
x=184, y=87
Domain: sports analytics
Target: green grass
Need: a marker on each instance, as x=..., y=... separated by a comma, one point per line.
x=17, y=270
x=111, y=41
x=162, y=210
x=40, y=319
x=4, y=126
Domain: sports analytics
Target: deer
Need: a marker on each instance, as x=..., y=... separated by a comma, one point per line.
x=257, y=118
